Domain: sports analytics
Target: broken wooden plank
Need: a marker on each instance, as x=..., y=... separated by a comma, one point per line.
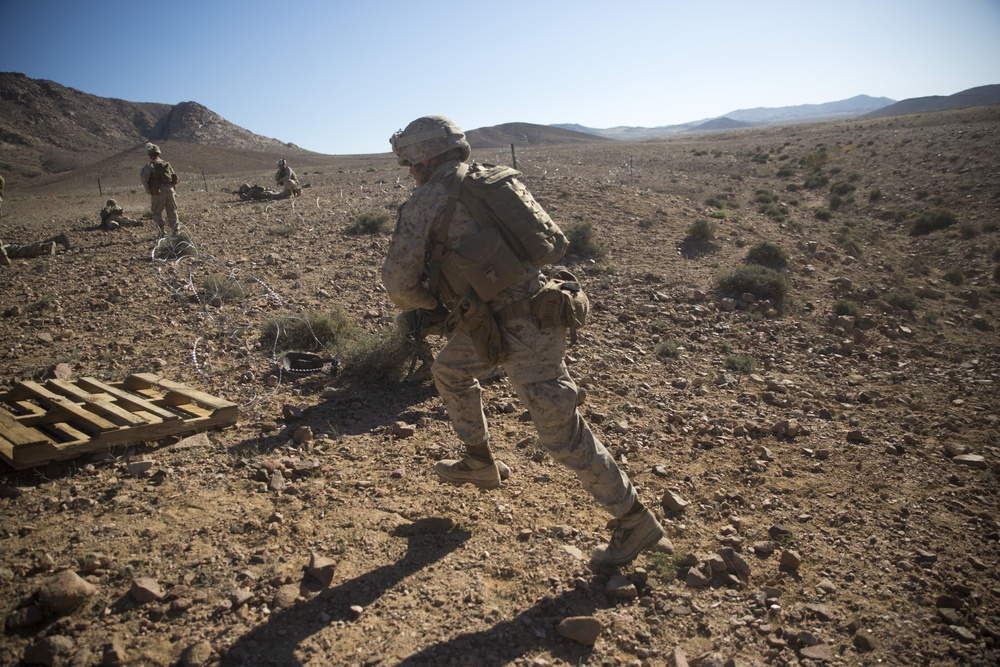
x=177, y=393
x=133, y=402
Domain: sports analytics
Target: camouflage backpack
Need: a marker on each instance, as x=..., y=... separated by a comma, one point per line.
x=495, y=197
x=162, y=174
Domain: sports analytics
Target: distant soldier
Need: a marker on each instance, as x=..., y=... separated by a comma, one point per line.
x=10, y=251
x=249, y=192
x=158, y=179
x=113, y=216
x=287, y=180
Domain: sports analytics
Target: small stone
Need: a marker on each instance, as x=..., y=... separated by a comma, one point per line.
x=695, y=579
x=146, y=589
x=321, y=568
x=620, y=588
x=139, y=468
x=285, y=596
x=239, y=597
x=24, y=617
x=673, y=502
x=302, y=434
x=197, y=655
x=864, y=642
x=790, y=559
x=403, y=430
x=52, y=650
x=114, y=654
x=817, y=652
x=581, y=629
x=971, y=460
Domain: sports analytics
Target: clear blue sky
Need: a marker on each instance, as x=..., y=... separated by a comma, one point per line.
x=339, y=76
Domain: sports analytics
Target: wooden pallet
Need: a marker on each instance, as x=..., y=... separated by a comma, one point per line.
x=61, y=419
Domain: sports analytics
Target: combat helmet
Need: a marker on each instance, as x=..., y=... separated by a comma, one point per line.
x=427, y=137
x=152, y=149
x=111, y=202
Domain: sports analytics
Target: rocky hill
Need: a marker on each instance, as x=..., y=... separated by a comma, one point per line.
x=973, y=97
x=526, y=134
x=47, y=128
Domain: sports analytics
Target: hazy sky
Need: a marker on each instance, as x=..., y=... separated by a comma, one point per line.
x=339, y=77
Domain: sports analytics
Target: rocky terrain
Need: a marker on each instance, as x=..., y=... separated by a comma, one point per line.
x=825, y=467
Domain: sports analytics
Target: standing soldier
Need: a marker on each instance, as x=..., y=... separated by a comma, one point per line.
x=286, y=179
x=158, y=179
x=434, y=148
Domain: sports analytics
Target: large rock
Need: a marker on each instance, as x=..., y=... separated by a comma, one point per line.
x=64, y=591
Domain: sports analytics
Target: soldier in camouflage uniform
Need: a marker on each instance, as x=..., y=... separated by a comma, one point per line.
x=433, y=147
x=286, y=179
x=161, y=192
x=44, y=248
x=113, y=216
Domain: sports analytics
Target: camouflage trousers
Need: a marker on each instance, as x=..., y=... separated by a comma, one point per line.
x=537, y=371
x=164, y=202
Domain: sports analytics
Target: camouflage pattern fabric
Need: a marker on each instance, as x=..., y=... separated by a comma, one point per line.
x=534, y=362
x=162, y=202
x=288, y=181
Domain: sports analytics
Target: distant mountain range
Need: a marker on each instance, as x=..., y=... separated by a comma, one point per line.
x=48, y=129
x=858, y=106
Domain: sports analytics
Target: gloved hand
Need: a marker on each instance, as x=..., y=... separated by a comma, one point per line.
x=431, y=320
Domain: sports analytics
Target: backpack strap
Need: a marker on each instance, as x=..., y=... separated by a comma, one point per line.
x=440, y=234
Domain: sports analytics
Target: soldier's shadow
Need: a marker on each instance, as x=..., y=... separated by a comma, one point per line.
x=428, y=540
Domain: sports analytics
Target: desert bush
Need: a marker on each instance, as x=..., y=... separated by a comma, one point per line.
x=371, y=222
x=968, y=230
x=817, y=180
x=375, y=358
x=776, y=212
x=764, y=197
x=768, y=254
x=932, y=220
x=823, y=214
x=954, y=275
x=223, y=287
x=901, y=301
x=841, y=188
x=922, y=193
x=816, y=161
x=583, y=240
x=874, y=195
x=846, y=307
x=785, y=172
x=309, y=331
x=702, y=230
x=718, y=215
x=836, y=202
x=762, y=282
x=175, y=246
x=741, y=363
x=668, y=348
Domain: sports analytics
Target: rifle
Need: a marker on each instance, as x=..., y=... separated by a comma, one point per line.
x=414, y=333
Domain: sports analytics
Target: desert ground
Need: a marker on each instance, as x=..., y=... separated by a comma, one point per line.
x=825, y=467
